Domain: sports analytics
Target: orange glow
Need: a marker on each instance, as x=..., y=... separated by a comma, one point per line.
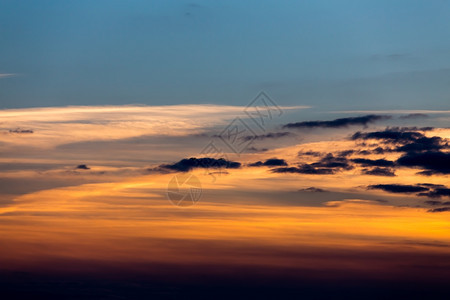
x=129, y=221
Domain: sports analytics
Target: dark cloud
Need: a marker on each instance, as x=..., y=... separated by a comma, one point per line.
x=433, y=202
x=414, y=116
x=254, y=149
x=431, y=185
x=373, y=163
x=273, y=162
x=304, y=169
x=218, y=173
x=398, y=188
x=329, y=164
x=392, y=132
x=434, y=162
x=21, y=131
x=440, y=209
x=338, y=123
x=186, y=164
x=330, y=161
x=421, y=189
x=389, y=135
x=426, y=173
x=437, y=193
x=424, y=144
x=345, y=153
x=406, y=139
x=364, y=152
x=381, y=200
x=379, y=150
x=312, y=190
x=270, y=135
x=310, y=153
x=414, y=128
x=83, y=167
x=379, y=172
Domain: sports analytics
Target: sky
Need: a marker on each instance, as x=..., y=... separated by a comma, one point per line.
x=133, y=201
x=224, y=149
x=359, y=54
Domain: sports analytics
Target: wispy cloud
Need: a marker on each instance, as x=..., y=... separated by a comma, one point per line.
x=6, y=75
x=101, y=123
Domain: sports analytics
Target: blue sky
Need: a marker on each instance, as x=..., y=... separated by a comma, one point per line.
x=329, y=54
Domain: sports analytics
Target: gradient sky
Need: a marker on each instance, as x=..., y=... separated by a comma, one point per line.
x=344, y=187
x=332, y=54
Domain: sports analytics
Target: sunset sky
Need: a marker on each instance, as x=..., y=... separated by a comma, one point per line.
x=253, y=149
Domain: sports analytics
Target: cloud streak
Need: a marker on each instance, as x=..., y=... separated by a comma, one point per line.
x=272, y=162
x=270, y=135
x=338, y=123
x=421, y=189
x=7, y=75
x=186, y=165
x=377, y=171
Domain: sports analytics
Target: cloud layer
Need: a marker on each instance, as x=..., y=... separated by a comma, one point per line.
x=338, y=123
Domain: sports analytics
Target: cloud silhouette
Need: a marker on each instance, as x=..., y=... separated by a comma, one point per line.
x=20, y=131
x=373, y=163
x=338, y=123
x=345, y=153
x=188, y=164
x=424, y=144
x=379, y=172
x=437, y=193
x=270, y=135
x=398, y=188
x=312, y=190
x=305, y=169
x=434, y=162
x=433, y=202
x=310, y=153
x=421, y=189
x=254, y=149
x=414, y=116
x=273, y=162
x=440, y=209
x=83, y=167
x=406, y=139
x=328, y=164
x=397, y=135
x=331, y=161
